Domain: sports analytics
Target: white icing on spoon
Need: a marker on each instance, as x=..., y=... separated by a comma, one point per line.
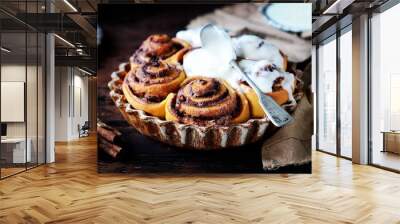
x=191, y=35
x=218, y=43
x=200, y=62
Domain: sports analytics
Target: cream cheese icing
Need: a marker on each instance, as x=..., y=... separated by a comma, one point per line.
x=191, y=35
x=200, y=62
x=256, y=56
x=256, y=48
x=263, y=73
x=246, y=46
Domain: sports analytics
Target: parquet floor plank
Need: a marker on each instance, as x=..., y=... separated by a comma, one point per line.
x=71, y=191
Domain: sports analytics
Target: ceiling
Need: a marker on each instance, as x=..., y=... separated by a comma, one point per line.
x=74, y=22
x=331, y=15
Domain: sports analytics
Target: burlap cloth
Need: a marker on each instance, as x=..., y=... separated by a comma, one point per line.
x=246, y=18
x=290, y=145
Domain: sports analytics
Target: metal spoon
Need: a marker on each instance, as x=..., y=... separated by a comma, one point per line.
x=218, y=42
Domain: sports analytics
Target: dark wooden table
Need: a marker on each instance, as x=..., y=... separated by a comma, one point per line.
x=391, y=141
x=124, y=27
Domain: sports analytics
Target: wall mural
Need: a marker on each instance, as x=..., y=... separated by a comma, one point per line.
x=204, y=88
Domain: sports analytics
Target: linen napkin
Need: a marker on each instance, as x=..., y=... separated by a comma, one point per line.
x=291, y=144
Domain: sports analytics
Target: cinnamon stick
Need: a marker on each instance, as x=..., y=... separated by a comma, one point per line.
x=109, y=133
x=109, y=148
x=110, y=139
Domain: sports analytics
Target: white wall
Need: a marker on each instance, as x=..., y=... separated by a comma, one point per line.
x=34, y=124
x=80, y=110
x=15, y=72
x=71, y=102
x=61, y=103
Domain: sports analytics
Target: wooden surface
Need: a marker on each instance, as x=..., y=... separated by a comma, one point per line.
x=123, y=29
x=391, y=142
x=71, y=191
x=142, y=154
x=7, y=171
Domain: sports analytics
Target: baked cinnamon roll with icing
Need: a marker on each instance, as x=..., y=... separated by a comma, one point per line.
x=146, y=86
x=255, y=48
x=160, y=47
x=207, y=101
x=271, y=80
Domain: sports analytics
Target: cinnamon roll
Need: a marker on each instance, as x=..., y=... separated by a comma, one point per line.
x=207, y=101
x=160, y=47
x=146, y=86
x=271, y=80
x=280, y=97
x=255, y=48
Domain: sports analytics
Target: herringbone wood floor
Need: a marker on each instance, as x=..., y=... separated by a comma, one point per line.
x=71, y=191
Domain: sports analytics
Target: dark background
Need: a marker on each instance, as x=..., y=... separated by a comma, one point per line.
x=123, y=29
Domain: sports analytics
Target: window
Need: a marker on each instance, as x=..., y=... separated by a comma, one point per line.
x=385, y=89
x=22, y=75
x=334, y=137
x=346, y=93
x=327, y=97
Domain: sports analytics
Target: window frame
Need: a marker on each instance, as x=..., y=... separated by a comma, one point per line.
x=378, y=10
x=26, y=30
x=335, y=36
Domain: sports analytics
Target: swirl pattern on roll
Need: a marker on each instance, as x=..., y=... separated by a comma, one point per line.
x=207, y=101
x=152, y=82
x=146, y=86
x=158, y=47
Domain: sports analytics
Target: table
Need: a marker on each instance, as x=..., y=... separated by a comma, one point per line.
x=391, y=141
x=15, y=148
